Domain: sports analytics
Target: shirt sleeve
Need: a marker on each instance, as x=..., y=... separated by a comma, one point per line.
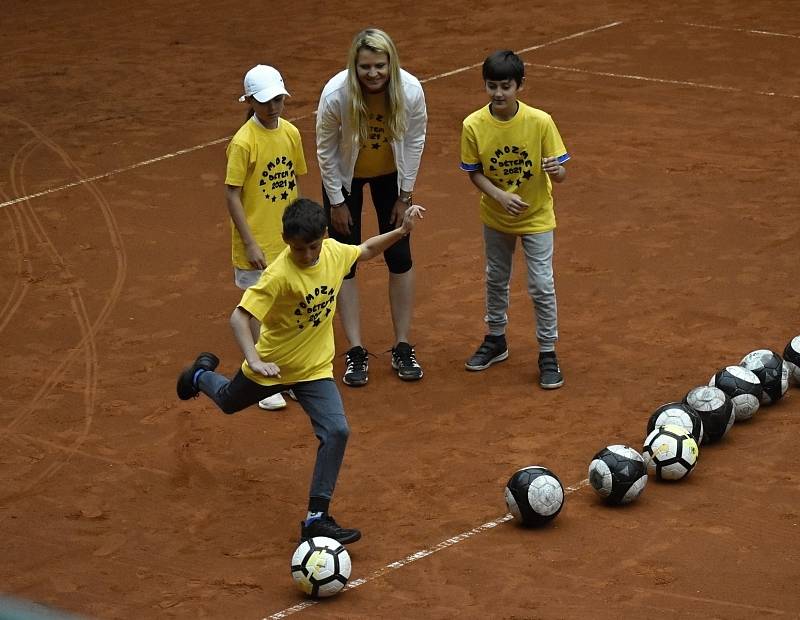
x=238, y=163
x=299, y=155
x=259, y=299
x=470, y=158
x=327, y=133
x=552, y=145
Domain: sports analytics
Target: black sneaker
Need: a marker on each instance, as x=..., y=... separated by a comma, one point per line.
x=327, y=526
x=404, y=361
x=493, y=349
x=550, y=376
x=357, y=367
x=186, y=387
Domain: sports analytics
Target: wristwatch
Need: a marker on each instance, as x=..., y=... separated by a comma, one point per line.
x=408, y=200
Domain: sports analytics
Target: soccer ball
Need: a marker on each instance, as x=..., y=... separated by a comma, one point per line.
x=321, y=566
x=678, y=414
x=791, y=357
x=716, y=409
x=743, y=387
x=770, y=368
x=534, y=495
x=618, y=474
x=670, y=452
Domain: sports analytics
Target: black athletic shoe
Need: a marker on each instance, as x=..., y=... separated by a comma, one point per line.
x=357, y=367
x=550, y=376
x=493, y=349
x=327, y=526
x=186, y=387
x=404, y=361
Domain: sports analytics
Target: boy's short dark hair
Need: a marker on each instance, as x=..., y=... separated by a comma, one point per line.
x=304, y=219
x=504, y=65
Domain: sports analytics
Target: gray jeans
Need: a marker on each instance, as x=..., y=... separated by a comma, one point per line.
x=321, y=401
x=538, y=250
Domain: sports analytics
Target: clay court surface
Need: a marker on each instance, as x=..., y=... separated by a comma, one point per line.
x=677, y=253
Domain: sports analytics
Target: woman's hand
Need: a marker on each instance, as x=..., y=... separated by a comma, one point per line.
x=341, y=219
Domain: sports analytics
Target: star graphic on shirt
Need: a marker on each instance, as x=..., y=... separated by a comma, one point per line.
x=376, y=145
x=527, y=174
x=292, y=185
x=510, y=182
x=518, y=183
x=284, y=195
x=273, y=198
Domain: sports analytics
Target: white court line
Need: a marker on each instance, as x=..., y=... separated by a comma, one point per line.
x=643, y=78
x=409, y=559
x=731, y=29
x=191, y=149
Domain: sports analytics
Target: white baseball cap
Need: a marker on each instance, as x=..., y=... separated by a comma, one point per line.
x=263, y=83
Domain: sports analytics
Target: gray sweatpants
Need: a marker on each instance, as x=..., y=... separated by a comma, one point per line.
x=319, y=398
x=538, y=250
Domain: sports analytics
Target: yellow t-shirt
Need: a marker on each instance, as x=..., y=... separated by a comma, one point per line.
x=265, y=163
x=376, y=157
x=509, y=153
x=296, y=306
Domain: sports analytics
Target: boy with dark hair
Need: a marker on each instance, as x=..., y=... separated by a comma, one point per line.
x=295, y=300
x=513, y=154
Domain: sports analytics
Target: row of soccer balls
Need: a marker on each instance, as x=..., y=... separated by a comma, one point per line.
x=321, y=566
x=618, y=473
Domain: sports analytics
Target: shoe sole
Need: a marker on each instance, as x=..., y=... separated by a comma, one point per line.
x=551, y=386
x=497, y=358
x=271, y=407
x=355, y=383
x=344, y=541
x=408, y=378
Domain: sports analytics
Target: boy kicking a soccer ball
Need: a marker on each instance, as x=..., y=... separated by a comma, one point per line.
x=513, y=154
x=295, y=300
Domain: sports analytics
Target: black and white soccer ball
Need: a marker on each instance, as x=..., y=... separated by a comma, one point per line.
x=715, y=408
x=791, y=357
x=534, y=495
x=618, y=474
x=773, y=373
x=679, y=414
x=321, y=566
x=743, y=387
x=670, y=452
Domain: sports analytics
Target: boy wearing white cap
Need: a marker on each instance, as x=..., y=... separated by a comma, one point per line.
x=265, y=158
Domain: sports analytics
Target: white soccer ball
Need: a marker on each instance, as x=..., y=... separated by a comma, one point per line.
x=791, y=357
x=321, y=566
x=679, y=414
x=670, y=452
x=618, y=474
x=771, y=370
x=716, y=409
x=743, y=387
x=534, y=495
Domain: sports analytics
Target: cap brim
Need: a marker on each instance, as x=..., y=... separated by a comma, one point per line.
x=267, y=94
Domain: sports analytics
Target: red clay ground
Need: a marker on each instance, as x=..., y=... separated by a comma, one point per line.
x=677, y=253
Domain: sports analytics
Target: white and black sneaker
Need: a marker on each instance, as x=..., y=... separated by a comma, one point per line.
x=356, y=367
x=404, y=361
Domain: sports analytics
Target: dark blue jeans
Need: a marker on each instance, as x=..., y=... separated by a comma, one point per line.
x=320, y=400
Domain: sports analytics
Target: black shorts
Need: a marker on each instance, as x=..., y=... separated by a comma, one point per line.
x=383, y=190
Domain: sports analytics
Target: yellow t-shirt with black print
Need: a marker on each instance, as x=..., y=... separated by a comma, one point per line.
x=296, y=306
x=376, y=157
x=265, y=163
x=509, y=153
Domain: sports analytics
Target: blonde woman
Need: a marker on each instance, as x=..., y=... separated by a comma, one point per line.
x=371, y=123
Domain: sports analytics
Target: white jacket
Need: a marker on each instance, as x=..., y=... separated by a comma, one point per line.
x=337, y=145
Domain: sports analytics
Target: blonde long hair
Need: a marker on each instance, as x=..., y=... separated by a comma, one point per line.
x=377, y=42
